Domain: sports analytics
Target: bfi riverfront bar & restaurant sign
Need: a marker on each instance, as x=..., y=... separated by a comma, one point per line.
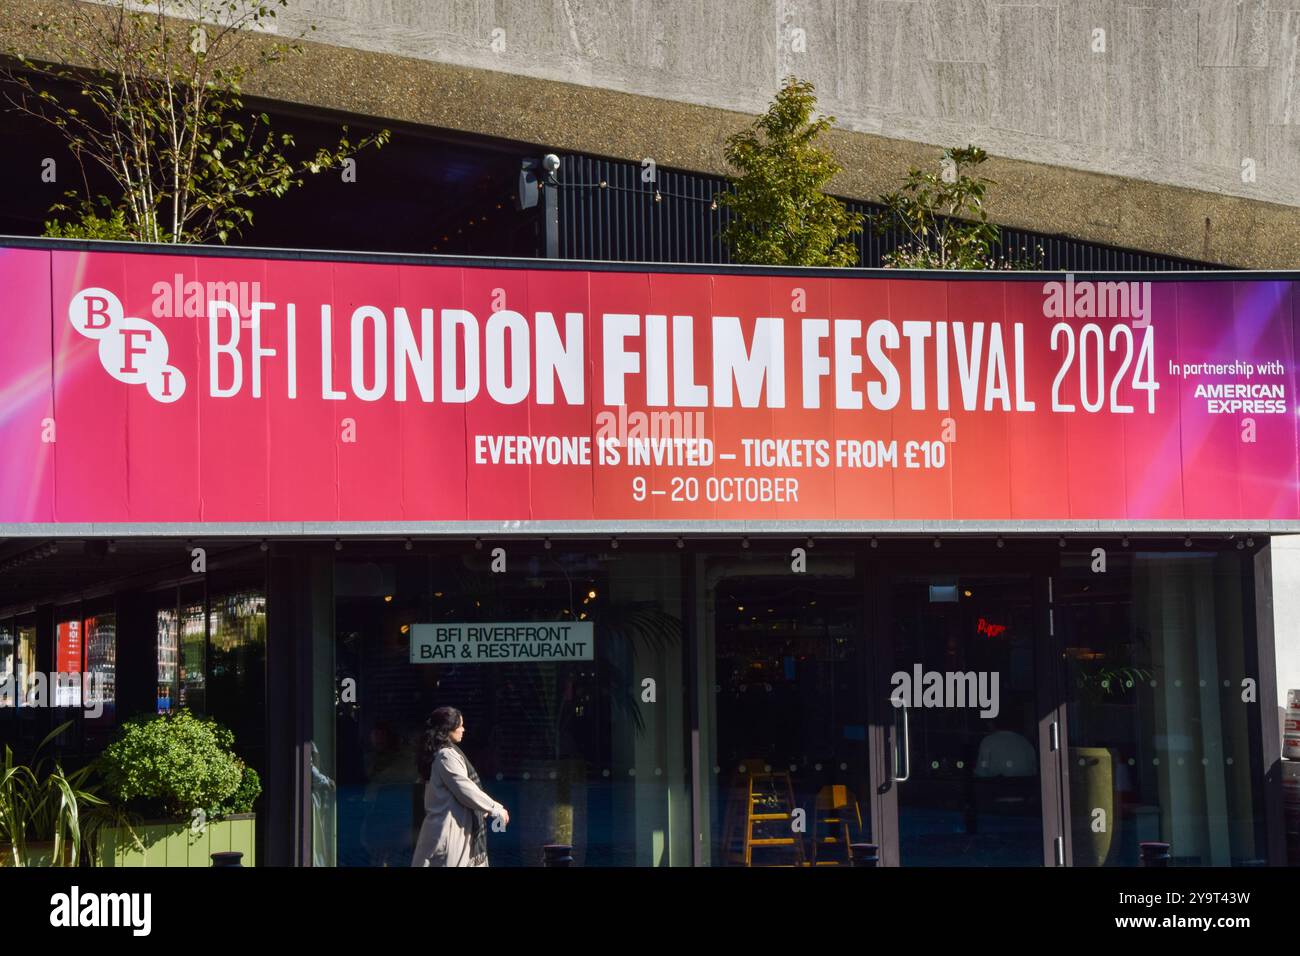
x=153, y=387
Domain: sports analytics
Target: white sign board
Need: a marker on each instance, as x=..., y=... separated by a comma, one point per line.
x=494, y=643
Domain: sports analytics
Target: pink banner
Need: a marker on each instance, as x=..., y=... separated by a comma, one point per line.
x=155, y=387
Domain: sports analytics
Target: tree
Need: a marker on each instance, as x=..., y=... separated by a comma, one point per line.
x=782, y=216
x=159, y=110
x=943, y=218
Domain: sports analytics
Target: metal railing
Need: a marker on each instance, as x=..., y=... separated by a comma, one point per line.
x=609, y=210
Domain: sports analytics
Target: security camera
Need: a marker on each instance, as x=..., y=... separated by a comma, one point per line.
x=551, y=163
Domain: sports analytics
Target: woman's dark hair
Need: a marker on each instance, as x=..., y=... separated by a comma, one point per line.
x=437, y=734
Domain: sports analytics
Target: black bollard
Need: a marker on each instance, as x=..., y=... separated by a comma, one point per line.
x=557, y=854
x=227, y=858
x=864, y=854
x=1154, y=853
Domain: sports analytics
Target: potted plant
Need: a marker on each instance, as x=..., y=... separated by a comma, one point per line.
x=188, y=793
x=1104, y=684
x=41, y=809
x=1093, y=796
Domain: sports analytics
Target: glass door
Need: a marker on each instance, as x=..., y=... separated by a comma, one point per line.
x=969, y=718
x=784, y=659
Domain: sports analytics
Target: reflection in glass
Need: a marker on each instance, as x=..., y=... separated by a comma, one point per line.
x=324, y=835
x=585, y=752
x=785, y=655
x=237, y=641
x=963, y=649
x=236, y=667
x=68, y=653
x=26, y=662
x=168, y=662
x=1156, y=653
x=192, y=692
x=8, y=686
x=100, y=634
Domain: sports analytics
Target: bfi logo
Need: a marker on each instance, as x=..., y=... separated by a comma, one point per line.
x=132, y=350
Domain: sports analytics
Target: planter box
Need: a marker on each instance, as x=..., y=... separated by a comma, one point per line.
x=38, y=854
x=173, y=844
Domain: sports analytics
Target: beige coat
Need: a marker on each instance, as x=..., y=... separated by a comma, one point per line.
x=451, y=799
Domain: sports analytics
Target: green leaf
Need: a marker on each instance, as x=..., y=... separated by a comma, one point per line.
x=780, y=211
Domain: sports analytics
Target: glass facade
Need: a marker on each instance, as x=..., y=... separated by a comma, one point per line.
x=713, y=702
x=26, y=665
x=588, y=751
x=236, y=667
x=85, y=656
x=784, y=685
x=100, y=634
x=1162, y=696
x=192, y=689
x=790, y=712
x=168, y=662
x=8, y=688
x=68, y=661
x=972, y=794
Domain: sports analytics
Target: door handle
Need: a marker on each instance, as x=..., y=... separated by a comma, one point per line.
x=905, y=749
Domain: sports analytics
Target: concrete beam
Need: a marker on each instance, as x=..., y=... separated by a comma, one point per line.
x=1099, y=207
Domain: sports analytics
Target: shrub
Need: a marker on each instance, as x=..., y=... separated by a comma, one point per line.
x=943, y=221
x=782, y=216
x=250, y=788
x=174, y=765
x=88, y=224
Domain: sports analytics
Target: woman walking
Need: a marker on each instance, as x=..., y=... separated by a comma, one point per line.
x=454, y=832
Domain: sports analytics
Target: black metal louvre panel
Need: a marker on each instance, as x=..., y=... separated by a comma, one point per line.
x=624, y=222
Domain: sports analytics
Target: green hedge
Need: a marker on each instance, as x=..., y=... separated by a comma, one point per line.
x=175, y=765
